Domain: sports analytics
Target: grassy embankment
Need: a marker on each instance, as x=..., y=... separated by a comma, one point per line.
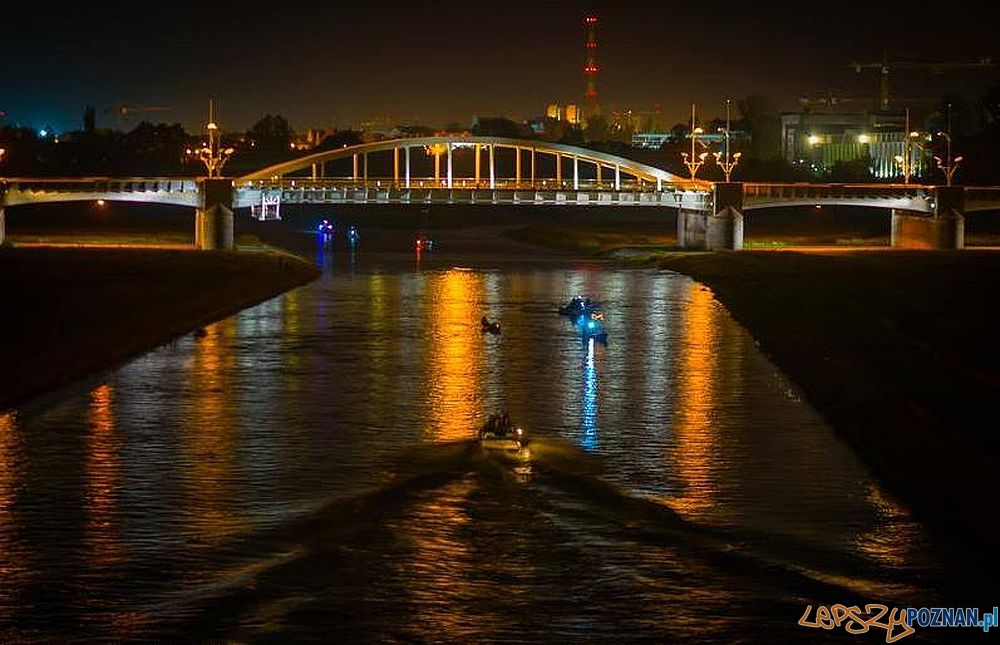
x=73, y=312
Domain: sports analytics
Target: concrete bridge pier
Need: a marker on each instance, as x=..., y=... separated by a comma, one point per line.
x=215, y=225
x=942, y=230
x=721, y=229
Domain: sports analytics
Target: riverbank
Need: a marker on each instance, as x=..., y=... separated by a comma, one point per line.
x=71, y=312
x=897, y=350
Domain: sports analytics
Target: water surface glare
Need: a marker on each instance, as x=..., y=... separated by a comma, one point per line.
x=304, y=470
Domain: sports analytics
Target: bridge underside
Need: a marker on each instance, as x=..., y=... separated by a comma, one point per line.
x=144, y=197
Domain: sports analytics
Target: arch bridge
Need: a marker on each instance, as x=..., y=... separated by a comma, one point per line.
x=497, y=170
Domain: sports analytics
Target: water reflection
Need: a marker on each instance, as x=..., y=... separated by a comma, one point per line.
x=695, y=435
x=455, y=355
x=209, y=439
x=11, y=562
x=589, y=422
x=893, y=536
x=102, y=481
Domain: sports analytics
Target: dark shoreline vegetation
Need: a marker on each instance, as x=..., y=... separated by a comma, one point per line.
x=69, y=313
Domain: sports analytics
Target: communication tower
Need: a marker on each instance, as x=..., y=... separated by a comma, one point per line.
x=590, y=69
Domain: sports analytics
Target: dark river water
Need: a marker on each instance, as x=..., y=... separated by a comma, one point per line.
x=305, y=471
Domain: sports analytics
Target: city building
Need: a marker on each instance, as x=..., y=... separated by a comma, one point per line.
x=826, y=133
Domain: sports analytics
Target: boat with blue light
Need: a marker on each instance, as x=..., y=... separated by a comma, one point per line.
x=579, y=306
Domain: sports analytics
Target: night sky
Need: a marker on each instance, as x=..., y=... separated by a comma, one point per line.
x=336, y=63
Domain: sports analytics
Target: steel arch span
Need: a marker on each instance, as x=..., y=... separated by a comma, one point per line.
x=445, y=145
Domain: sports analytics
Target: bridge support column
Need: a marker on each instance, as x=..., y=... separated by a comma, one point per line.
x=517, y=166
x=618, y=177
x=533, y=175
x=395, y=167
x=449, y=166
x=493, y=172
x=355, y=156
x=576, y=172
x=721, y=229
x=407, y=166
x=215, y=226
x=559, y=177
x=944, y=230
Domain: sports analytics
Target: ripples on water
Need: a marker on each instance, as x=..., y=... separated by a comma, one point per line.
x=304, y=471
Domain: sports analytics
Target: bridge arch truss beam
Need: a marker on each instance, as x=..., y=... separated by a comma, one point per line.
x=524, y=150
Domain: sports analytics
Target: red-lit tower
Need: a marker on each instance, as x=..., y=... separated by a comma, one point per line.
x=593, y=107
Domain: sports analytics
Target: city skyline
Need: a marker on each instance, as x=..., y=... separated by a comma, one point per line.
x=445, y=62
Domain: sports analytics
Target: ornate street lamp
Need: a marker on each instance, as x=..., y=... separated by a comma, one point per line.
x=694, y=162
x=910, y=142
x=727, y=165
x=212, y=154
x=949, y=165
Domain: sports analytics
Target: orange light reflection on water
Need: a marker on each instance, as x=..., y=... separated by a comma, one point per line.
x=695, y=444
x=102, y=469
x=209, y=441
x=456, y=352
x=11, y=565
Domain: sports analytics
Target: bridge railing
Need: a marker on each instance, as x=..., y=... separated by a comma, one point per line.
x=430, y=183
x=101, y=184
x=809, y=190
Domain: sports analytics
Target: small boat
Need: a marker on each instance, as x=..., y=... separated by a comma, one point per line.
x=579, y=306
x=498, y=433
x=489, y=327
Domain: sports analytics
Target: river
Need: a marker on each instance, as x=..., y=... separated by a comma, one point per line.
x=305, y=470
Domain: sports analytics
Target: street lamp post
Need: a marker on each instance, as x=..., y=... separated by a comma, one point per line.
x=727, y=165
x=949, y=165
x=905, y=160
x=694, y=162
x=213, y=155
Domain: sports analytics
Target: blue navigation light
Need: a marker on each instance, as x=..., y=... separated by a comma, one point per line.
x=43, y=133
x=590, y=324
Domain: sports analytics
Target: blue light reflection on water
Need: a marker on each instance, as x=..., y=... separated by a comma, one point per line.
x=589, y=424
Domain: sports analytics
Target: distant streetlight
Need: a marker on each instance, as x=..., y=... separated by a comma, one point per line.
x=694, y=162
x=212, y=154
x=727, y=165
x=905, y=160
x=949, y=165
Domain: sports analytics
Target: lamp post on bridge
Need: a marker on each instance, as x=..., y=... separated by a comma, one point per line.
x=213, y=155
x=694, y=162
x=910, y=141
x=727, y=165
x=949, y=165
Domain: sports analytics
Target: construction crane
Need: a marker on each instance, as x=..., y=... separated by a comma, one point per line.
x=935, y=67
x=125, y=110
